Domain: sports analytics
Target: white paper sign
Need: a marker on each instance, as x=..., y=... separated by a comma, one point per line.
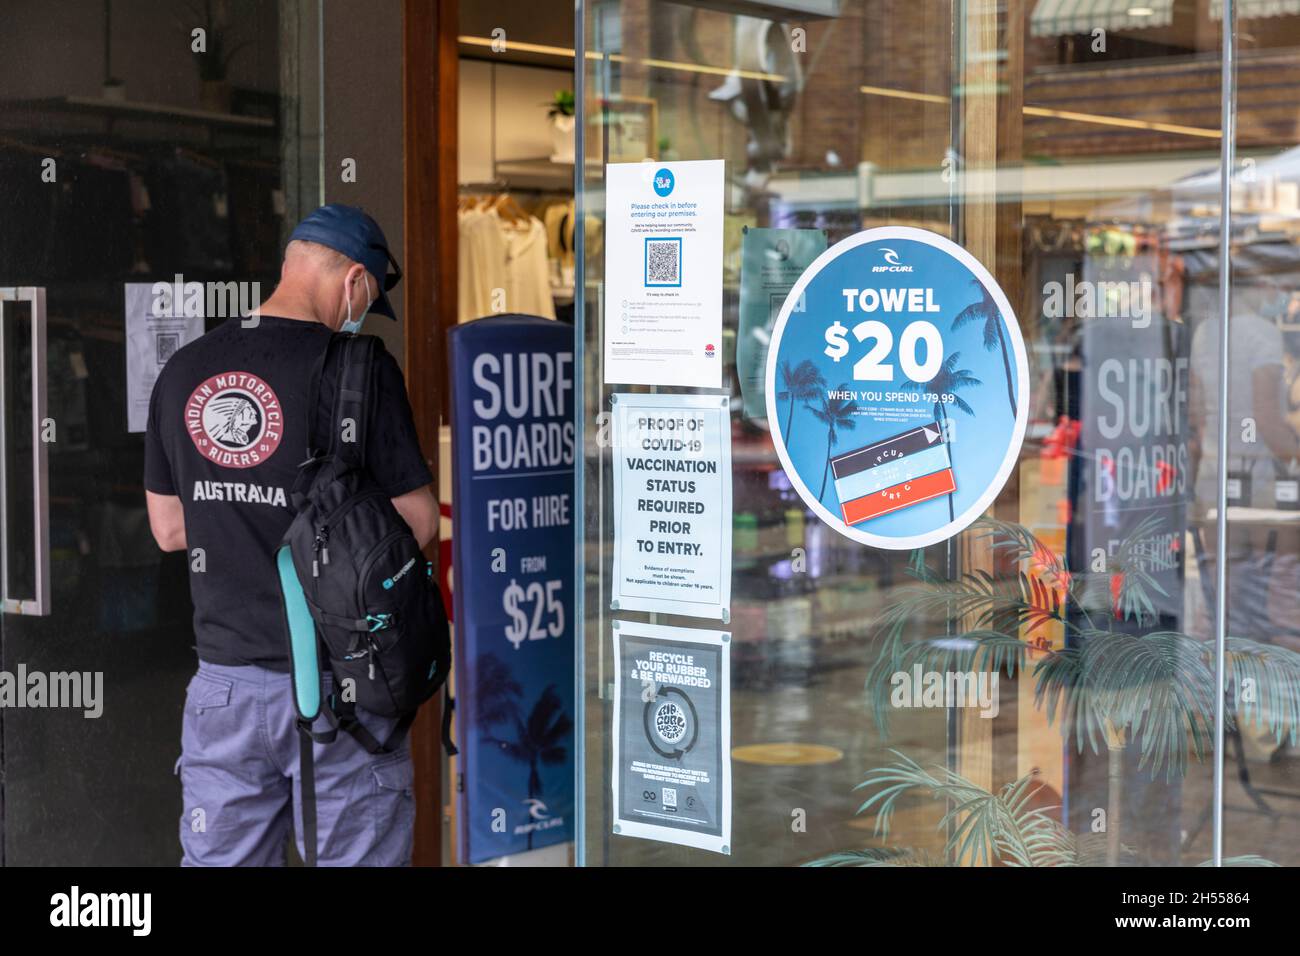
x=663, y=273
x=672, y=504
x=153, y=334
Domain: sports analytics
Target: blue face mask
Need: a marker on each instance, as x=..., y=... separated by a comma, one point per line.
x=351, y=327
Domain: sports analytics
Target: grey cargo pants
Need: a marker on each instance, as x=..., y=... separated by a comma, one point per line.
x=239, y=777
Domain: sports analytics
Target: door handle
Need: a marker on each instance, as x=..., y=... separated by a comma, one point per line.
x=32, y=594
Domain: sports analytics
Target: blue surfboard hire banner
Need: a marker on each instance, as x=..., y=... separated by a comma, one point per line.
x=897, y=387
x=513, y=454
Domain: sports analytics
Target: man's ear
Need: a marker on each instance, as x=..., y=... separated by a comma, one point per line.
x=356, y=273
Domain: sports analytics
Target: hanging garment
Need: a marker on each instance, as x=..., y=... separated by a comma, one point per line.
x=481, y=264
x=528, y=281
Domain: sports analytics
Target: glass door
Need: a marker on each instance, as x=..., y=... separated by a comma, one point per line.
x=1074, y=151
x=161, y=147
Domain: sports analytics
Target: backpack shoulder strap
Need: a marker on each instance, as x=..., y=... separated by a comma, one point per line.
x=352, y=398
x=313, y=392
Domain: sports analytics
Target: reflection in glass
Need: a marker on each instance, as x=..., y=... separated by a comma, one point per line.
x=1040, y=690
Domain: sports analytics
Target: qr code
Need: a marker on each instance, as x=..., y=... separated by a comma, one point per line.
x=168, y=343
x=670, y=797
x=663, y=262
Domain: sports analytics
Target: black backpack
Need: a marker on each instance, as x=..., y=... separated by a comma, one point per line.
x=358, y=594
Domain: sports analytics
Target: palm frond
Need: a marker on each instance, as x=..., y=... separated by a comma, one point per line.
x=983, y=827
x=1042, y=603
x=880, y=856
x=886, y=664
x=991, y=331
x=1019, y=543
x=979, y=651
x=990, y=606
x=964, y=405
x=1093, y=849
x=1156, y=687
x=1059, y=685
x=972, y=313
x=986, y=651
x=1274, y=673
x=962, y=378
x=918, y=568
x=978, y=595
x=1134, y=561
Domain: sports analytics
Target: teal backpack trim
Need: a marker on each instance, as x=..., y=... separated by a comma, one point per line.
x=302, y=637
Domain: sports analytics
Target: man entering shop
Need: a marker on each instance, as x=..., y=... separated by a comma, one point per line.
x=228, y=427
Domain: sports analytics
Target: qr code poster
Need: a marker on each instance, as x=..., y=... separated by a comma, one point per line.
x=662, y=302
x=663, y=262
x=672, y=735
x=153, y=336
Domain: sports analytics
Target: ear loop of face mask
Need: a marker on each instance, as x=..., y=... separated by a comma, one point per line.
x=349, y=326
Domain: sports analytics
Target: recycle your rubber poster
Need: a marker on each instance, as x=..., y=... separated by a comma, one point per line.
x=672, y=735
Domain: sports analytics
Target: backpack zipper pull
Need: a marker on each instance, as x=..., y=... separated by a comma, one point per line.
x=374, y=649
x=320, y=553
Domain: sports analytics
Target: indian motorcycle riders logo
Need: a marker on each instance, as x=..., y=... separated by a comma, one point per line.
x=235, y=420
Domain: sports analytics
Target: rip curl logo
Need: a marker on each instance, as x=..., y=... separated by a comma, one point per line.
x=891, y=257
x=540, y=818
x=235, y=420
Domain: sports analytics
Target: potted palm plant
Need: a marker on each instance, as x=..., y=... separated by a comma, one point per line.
x=213, y=57
x=1119, y=685
x=560, y=110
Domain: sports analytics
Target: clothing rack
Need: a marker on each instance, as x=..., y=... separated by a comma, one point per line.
x=503, y=249
x=487, y=186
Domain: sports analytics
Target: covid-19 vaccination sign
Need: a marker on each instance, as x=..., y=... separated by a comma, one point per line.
x=897, y=387
x=672, y=504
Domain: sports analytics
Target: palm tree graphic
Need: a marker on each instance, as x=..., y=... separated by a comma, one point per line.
x=496, y=691
x=798, y=384
x=948, y=381
x=540, y=741
x=986, y=310
x=837, y=415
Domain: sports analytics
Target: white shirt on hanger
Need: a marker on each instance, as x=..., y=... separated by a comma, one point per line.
x=481, y=262
x=528, y=279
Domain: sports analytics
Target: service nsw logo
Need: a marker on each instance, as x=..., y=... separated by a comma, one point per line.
x=235, y=420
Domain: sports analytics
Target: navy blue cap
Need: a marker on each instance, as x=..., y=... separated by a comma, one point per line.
x=348, y=230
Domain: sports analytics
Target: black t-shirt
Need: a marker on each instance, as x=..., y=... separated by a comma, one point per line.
x=227, y=431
